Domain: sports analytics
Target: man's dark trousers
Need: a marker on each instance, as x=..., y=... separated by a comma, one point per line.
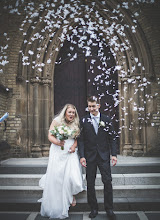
x=105, y=170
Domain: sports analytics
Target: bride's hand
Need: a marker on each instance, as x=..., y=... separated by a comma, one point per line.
x=72, y=149
x=60, y=143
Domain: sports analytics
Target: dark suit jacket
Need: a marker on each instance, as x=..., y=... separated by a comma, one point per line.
x=90, y=143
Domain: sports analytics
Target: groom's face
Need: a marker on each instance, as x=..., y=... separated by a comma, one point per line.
x=93, y=108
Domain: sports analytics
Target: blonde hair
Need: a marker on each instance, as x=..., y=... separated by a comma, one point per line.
x=61, y=119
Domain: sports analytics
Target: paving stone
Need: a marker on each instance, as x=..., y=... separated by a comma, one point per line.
x=153, y=216
x=127, y=217
x=13, y=216
x=76, y=216
x=123, y=216
x=71, y=217
x=81, y=216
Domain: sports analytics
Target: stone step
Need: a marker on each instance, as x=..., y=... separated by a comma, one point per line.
x=119, y=169
x=120, y=204
x=125, y=165
x=122, y=191
x=117, y=179
x=20, y=179
x=132, y=191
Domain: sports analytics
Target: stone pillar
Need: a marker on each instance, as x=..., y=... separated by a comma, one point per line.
x=127, y=146
x=45, y=105
x=137, y=132
x=35, y=148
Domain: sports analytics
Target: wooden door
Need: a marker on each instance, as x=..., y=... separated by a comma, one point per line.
x=77, y=79
x=70, y=85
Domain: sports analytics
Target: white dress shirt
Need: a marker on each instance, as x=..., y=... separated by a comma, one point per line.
x=95, y=121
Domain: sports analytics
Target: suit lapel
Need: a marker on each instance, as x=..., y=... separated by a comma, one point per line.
x=98, y=125
x=101, y=119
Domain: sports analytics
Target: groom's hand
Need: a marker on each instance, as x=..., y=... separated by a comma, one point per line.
x=114, y=160
x=83, y=162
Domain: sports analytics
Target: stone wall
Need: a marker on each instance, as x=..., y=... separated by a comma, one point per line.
x=150, y=23
x=3, y=103
x=16, y=96
x=10, y=24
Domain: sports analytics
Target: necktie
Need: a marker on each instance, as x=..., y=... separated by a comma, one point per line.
x=95, y=124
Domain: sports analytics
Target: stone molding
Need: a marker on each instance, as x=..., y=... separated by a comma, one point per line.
x=41, y=80
x=35, y=80
x=45, y=81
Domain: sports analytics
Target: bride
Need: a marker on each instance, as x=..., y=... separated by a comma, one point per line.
x=63, y=178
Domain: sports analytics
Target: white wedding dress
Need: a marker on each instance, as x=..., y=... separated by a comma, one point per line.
x=62, y=180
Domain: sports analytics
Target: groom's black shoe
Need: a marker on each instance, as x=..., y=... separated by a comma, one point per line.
x=111, y=214
x=93, y=213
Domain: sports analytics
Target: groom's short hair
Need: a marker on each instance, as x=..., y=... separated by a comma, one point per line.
x=93, y=99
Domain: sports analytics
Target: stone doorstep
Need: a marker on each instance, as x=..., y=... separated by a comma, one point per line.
x=44, y=160
x=117, y=179
x=119, y=169
x=132, y=191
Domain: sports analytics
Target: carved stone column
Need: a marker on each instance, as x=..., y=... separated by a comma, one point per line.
x=137, y=132
x=127, y=146
x=46, y=99
x=35, y=148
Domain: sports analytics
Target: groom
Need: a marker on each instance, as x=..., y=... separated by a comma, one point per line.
x=97, y=140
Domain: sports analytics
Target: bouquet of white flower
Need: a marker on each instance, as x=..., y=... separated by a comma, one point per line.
x=62, y=132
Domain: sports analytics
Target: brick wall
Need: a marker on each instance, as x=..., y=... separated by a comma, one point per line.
x=10, y=23
x=5, y=153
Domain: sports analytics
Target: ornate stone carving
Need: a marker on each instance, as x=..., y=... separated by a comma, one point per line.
x=19, y=79
x=35, y=80
x=41, y=80
x=46, y=81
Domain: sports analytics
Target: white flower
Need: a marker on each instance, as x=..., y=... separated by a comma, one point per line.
x=60, y=130
x=69, y=132
x=101, y=123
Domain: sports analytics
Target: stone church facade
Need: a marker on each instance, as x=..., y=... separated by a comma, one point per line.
x=28, y=94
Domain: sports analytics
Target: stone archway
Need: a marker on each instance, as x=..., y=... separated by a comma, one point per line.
x=40, y=91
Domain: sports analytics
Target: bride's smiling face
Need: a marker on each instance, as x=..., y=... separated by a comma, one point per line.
x=70, y=114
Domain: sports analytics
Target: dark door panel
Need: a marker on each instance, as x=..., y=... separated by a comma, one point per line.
x=81, y=77
x=70, y=85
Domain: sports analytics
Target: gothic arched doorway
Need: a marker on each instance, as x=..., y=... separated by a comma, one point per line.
x=78, y=76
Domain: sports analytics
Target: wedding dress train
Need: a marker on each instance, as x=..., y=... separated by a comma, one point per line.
x=62, y=180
